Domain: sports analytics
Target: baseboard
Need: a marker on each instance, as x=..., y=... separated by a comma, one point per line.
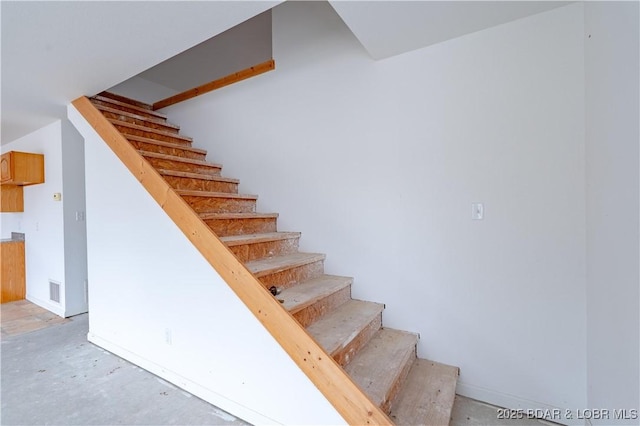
x=49, y=306
x=182, y=382
x=520, y=406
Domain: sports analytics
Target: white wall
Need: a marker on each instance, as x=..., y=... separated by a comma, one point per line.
x=613, y=256
x=75, y=231
x=156, y=302
x=142, y=90
x=50, y=255
x=377, y=163
x=42, y=218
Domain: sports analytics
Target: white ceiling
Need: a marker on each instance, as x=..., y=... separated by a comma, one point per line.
x=389, y=28
x=240, y=47
x=54, y=51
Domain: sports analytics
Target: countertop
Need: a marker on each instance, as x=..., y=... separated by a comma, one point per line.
x=16, y=237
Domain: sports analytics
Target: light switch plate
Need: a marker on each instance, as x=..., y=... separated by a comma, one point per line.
x=477, y=211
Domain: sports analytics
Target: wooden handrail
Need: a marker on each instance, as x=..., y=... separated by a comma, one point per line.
x=216, y=84
x=330, y=379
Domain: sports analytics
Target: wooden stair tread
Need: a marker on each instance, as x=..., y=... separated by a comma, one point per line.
x=237, y=240
x=134, y=107
x=262, y=243
x=276, y=264
x=305, y=294
x=157, y=120
x=205, y=216
x=427, y=396
x=193, y=175
x=380, y=366
x=335, y=330
x=179, y=159
x=149, y=129
x=165, y=143
x=209, y=194
x=126, y=100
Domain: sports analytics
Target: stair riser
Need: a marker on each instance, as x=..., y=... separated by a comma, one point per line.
x=397, y=385
x=124, y=108
x=152, y=147
x=151, y=135
x=317, y=310
x=248, y=252
x=346, y=354
x=162, y=163
x=228, y=227
x=293, y=276
x=147, y=123
x=427, y=395
x=201, y=184
x=125, y=100
x=220, y=205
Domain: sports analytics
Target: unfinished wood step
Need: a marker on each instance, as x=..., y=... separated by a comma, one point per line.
x=258, y=246
x=312, y=299
x=381, y=367
x=170, y=162
x=199, y=182
x=125, y=100
x=427, y=396
x=287, y=270
x=225, y=224
x=167, y=148
x=112, y=103
x=219, y=202
x=133, y=129
x=141, y=120
x=345, y=330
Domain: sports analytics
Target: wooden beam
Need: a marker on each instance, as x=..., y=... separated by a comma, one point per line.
x=216, y=84
x=332, y=381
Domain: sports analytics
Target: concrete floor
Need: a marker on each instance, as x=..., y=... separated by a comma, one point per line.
x=52, y=375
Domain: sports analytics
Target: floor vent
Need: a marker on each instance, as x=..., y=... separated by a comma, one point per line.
x=54, y=291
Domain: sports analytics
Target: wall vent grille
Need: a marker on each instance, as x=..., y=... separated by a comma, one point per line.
x=54, y=291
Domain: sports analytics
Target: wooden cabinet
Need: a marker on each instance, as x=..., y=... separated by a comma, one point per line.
x=18, y=169
x=21, y=168
x=11, y=199
x=13, y=283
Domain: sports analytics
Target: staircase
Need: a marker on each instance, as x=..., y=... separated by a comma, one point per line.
x=381, y=361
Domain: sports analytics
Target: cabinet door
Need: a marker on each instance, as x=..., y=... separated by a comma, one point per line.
x=5, y=167
x=21, y=168
x=11, y=198
x=12, y=283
